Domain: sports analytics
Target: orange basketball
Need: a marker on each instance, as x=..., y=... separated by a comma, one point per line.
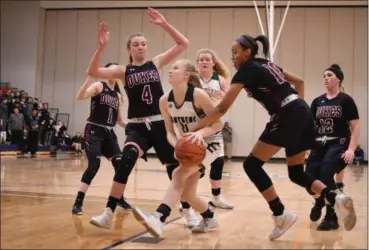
x=189, y=154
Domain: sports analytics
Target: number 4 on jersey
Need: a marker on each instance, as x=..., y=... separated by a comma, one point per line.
x=146, y=94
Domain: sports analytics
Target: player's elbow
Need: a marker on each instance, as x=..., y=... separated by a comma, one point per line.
x=221, y=110
x=80, y=97
x=92, y=72
x=184, y=43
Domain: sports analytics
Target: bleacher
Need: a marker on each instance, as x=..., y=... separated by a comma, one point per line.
x=9, y=149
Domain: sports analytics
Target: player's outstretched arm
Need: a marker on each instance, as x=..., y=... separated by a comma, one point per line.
x=203, y=102
x=181, y=41
x=94, y=70
x=89, y=89
x=218, y=111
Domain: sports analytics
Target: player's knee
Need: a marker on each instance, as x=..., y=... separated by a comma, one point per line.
x=298, y=176
x=92, y=168
x=126, y=163
x=116, y=161
x=171, y=168
x=217, y=169
x=254, y=170
x=327, y=177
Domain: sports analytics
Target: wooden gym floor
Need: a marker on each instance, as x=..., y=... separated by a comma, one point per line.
x=37, y=195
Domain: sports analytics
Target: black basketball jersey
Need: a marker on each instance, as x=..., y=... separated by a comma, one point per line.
x=144, y=89
x=104, y=107
x=332, y=116
x=264, y=81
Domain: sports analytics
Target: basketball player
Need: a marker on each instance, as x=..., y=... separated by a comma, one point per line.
x=214, y=80
x=291, y=126
x=146, y=128
x=106, y=109
x=181, y=108
x=337, y=134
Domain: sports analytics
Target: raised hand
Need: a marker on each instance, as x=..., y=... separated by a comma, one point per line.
x=103, y=34
x=156, y=17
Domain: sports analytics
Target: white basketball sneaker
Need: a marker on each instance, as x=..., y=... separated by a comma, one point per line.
x=220, y=202
x=190, y=216
x=206, y=225
x=345, y=208
x=150, y=220
x=282, y=224
x=104, y=220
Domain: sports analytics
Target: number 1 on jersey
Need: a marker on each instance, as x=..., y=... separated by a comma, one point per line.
x=146, y=94
x=110, y=116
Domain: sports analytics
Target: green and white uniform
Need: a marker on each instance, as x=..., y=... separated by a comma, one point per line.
x=184, y=118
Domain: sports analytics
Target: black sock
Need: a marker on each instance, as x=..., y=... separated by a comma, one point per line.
x=79, y=199
x=164, y=210
x=207, y=214
x=185, y=205
x=215, y=191
x=320, y=202
x=112, y=203
x=329, y=195
x=276, y=206
x=339, y=185
x=330, y=210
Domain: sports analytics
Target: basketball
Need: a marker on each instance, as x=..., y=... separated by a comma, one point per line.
x=188, y=153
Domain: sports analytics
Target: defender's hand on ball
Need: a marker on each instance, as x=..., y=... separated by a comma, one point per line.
x=195, y=137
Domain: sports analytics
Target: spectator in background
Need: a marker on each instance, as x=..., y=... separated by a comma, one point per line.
x=29, y=107
x=44, y=123
x=77, y=142
x=3, y=120
x=227, y=138
x=17, y=128
x=33, y=127
x=60, y=128
x=5, y=88
x=50, y=131
x=38, y=104
x=11, y=104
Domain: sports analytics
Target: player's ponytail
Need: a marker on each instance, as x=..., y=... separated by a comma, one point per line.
x=249, y=42
x=265, y=42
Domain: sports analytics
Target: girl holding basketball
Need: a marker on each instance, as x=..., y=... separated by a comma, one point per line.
x=181, y=108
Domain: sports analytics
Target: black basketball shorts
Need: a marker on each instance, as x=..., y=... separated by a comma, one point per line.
x=100, y=141
x=155, y=137
x=327, y=155
x=292, y=128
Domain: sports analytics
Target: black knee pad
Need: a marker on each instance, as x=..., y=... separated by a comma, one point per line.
x=298, y=176
x=216, y=170
x=125, y=163
x=92, y=168
x=116, y=161
x=170, y=169
x=254, y=170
